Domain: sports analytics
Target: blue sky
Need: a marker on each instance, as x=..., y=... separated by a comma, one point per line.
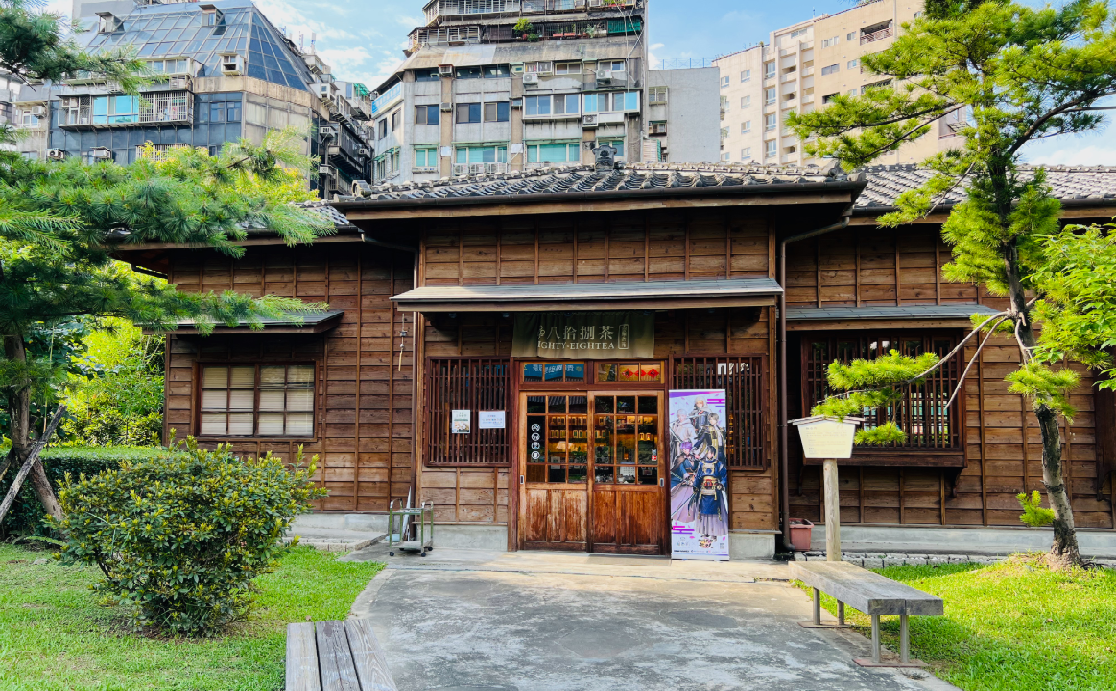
x=363, y=39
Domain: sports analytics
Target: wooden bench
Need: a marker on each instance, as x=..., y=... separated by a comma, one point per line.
x=870, y=593
x=336, y=656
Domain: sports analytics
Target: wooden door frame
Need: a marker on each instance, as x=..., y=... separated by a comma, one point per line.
x=520, y=467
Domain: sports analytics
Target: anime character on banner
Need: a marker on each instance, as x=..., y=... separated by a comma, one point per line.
x=698, y=474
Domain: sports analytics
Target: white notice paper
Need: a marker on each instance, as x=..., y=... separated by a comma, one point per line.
x=459, y=422
x=490, y=419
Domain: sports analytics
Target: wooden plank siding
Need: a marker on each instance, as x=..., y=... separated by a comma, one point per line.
x=599, y=248
x=363, y=398
x=864, y=266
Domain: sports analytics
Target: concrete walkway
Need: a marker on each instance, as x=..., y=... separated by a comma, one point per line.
x=463, y=620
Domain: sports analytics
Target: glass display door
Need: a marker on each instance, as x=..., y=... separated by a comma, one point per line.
x=626, y=507
x=593, y=473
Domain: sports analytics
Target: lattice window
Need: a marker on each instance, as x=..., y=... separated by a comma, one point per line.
x=472, y=384
x=921, y=412
x=744, y=380
x=257, y=400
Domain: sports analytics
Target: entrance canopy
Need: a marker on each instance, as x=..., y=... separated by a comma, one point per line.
x=694, y=294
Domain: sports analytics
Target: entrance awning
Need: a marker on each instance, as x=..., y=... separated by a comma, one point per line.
x=310, y=323
x=734, y=292
x=909, y=316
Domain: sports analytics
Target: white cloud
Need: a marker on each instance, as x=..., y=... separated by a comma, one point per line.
x=656, y=46
x=1087, y=155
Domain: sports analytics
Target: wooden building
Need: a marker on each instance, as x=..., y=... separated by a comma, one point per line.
x=428, y=285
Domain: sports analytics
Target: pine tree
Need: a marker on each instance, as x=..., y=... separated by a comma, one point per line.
x=60, y=221
x=1017, y=75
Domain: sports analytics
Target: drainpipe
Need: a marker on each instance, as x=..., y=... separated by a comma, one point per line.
x=784, y=455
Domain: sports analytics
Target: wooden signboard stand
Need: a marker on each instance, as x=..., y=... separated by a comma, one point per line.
x=829, y=439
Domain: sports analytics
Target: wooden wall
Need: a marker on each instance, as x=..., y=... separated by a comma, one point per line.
x=363, y=426
x=596, y=248
x=584, y=248
x=866, y=265
x=863, y=266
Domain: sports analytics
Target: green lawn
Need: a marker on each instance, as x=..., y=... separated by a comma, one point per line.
x=1012, y=626
x=53, y=636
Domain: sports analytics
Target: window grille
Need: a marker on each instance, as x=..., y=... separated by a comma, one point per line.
x=257, y=400
x=921, y=411
x=744, y=380
x=473, y=384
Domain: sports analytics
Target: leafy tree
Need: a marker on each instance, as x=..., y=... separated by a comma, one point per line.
x=1019, y=75
x=59, y=222
x=116, y=399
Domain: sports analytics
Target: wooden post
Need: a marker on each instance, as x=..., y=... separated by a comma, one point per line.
x=832, y=510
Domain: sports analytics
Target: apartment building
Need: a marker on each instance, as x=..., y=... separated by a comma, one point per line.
x=226, y=73
x=490, y=86
x=800, y=68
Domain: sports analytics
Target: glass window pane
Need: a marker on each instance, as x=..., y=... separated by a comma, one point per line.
x=300, y=374
x=626, y=476
x=648, y=404
x=604, y=404
x=629, y=371
x=603, y=474
x=240, y=424
x=556, y=404
x=272, y=377
x=301, y=400
x=575, y=372
x=214, y=399
x=271, y=399
x=553, y=372
x=215, y=377
x=213, y=424
x=536, y=404
x=625, y=404
x=241, y=399
x=532, y=371
x=651, y=371
x=300, y=424
x=271, y=424
x=556, y=473
x=606, y=372
x=577, y=474
x=579, y=404
x=648, y=476
x=243, y=377
x=536, y=425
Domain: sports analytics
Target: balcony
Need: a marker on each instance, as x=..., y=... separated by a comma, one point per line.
x=117, y=110
x=458, y=9
x=877, y=35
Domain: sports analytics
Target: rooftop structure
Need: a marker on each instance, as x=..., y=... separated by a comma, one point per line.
x=492, y=86
x=799, y=69
x=227, y=73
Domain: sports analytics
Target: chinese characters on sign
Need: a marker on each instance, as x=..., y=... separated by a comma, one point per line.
x=584, y=335
x=490, y=419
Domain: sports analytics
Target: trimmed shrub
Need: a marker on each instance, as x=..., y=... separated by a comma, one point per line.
x=179, y=538
x=26, y=515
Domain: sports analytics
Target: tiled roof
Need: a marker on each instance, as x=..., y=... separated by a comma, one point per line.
x=885, y=312
x=328, y=211
x=585, y=178
x=886, y=183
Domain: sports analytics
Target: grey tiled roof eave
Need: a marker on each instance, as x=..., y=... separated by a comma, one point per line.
x=901, y=312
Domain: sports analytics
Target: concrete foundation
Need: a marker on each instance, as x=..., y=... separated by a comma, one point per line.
x=751, y=545
x=493, y=538
x=961, y=540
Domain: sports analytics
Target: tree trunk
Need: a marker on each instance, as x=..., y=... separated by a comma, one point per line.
x=19, y=406
x=1064, y=551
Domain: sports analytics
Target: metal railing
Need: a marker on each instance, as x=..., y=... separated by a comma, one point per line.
x=876, y=35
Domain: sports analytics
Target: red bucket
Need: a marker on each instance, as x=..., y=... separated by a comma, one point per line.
x=801, y=530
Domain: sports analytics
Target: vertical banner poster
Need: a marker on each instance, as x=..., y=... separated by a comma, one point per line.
x=699, y=511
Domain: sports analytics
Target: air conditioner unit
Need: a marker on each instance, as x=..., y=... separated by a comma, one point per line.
x=530, y=78
x=333, y=150
x=38, y=111
x=100, y=153
x=56, y=154
x=477, y=168
x=328, y=131
x=325, y=170
x=232, y=64
x=179, y=82
x=499, y=168
x=589, y=120
x=460, y=169
x=445, y=70
x=604, y=76
x=364, y=151
x=446, y=107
